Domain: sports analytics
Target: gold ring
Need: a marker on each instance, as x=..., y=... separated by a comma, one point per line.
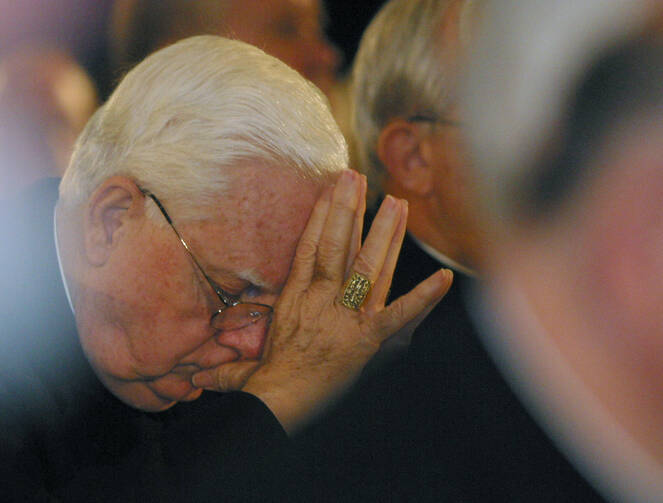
x=355, y=291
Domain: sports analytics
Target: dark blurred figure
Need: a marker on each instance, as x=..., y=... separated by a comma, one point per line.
x=46, y=98
x=290, y=30
x=565, y=115
x=440, y=423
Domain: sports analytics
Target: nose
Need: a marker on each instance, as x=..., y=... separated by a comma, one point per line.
x=248, y=341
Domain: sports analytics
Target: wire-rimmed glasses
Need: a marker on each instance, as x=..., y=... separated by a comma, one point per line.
x=433, y=120
x=234, y=313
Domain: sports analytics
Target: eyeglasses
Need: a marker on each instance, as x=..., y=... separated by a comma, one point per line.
x=433, y=120
x=234, y=314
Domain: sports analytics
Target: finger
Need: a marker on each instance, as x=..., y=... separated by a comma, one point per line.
x=371, y=257
x=380, y=290
x=337, y=233
x=307, y=247
x=357, y=231
x=411, y=305
x=226, y=377
x=406, y=332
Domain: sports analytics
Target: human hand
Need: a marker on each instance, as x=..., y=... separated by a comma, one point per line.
x=316, y=347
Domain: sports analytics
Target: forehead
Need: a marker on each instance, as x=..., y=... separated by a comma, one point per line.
x=259, y=223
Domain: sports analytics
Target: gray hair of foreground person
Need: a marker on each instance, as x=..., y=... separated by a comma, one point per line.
x=564, y=115
x=400, y=71
x=190, y=113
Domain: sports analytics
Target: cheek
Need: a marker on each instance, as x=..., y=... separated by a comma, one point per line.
x=156, y=348
x=170, y=318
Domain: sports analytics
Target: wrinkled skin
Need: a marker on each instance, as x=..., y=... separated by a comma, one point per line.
x=316, y=347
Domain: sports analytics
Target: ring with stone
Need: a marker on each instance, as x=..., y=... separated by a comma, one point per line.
x=355, y=291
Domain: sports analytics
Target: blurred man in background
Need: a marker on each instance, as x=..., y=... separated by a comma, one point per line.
x=290, y=30
x=564, y=109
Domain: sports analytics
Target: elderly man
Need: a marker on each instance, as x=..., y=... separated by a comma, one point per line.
x=564, y=112
x=441, y=423
x=193, y=256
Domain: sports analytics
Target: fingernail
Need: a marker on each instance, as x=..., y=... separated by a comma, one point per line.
x=348, y=178
x=444, y=281
x=202, y=380
x=348, y=188
x=404, y=208
x=390, y=204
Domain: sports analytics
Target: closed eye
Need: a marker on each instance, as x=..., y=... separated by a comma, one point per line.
x=224, y=294
x=251, y=292
x=246, y=294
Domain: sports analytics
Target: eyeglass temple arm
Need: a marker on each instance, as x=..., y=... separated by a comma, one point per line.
x=222, y=295
x=429, y=118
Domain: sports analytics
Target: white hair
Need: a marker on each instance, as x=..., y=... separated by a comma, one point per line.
x=190, y=115
x=400, y=71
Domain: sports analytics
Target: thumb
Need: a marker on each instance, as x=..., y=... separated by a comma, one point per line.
x=226, y=377
x=409, y=310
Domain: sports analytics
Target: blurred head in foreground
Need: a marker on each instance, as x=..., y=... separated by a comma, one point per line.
x=564, y=108
x=290, y=30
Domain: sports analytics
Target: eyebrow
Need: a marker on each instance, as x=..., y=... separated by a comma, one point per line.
x=247, y=275
x=254, y=277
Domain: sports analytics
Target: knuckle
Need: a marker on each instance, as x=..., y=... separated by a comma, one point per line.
x=391, y=319
x=363, y=264
x=329, y=248
x=222, y=380
x=322, y=273
x=227, y=380
x=306, y=250
x=344, y=207
x=397, y=312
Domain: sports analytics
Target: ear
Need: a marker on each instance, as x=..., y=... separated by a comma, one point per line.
x=400, y=151
x=110, y=209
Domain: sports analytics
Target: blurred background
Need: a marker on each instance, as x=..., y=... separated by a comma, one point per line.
x=81, y=26
x=59, y=59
